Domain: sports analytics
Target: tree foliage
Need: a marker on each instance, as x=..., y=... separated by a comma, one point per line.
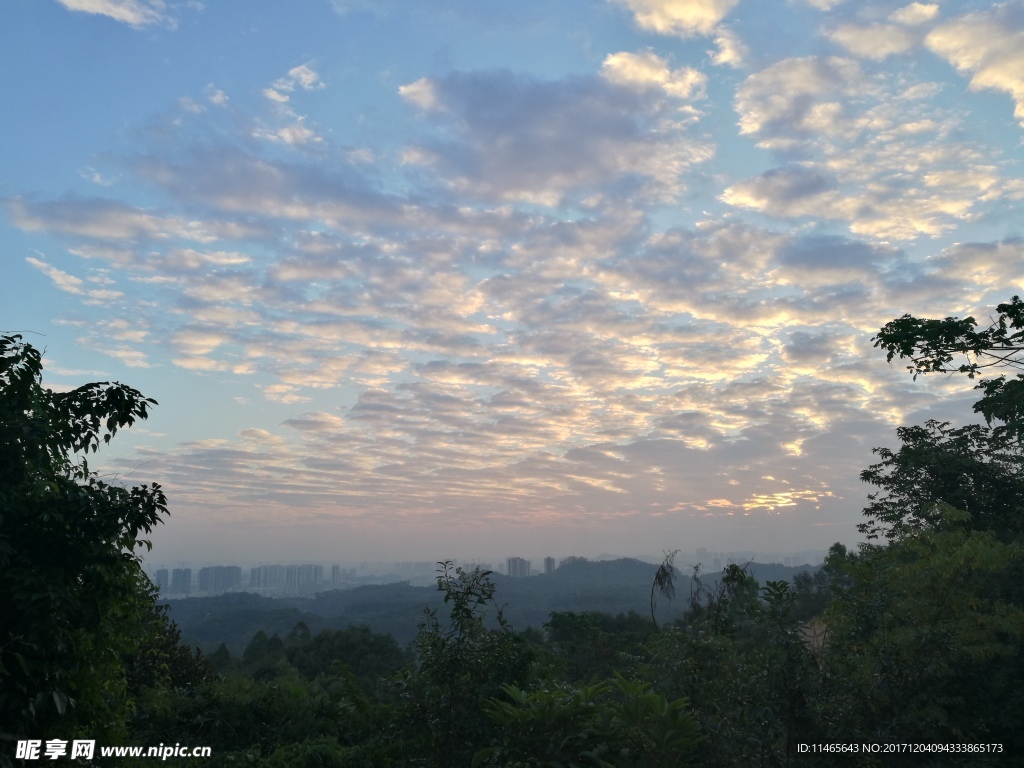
x=964, y=467
x=925, y=633
x=978, y=469
x=925, y=641
x=75, y=606
x=664, y=581
x=934, y=346
x=461, y=664
x=618, y=722
x=953, y=345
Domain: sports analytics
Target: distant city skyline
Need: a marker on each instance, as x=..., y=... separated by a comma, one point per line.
x=334, y=570
x=505, y=280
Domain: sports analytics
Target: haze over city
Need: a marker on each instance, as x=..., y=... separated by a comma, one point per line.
x=480, y=280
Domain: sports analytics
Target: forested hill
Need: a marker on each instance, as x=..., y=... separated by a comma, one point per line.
x=611, y=586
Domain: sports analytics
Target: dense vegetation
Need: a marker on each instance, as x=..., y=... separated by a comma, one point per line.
x=915, y=638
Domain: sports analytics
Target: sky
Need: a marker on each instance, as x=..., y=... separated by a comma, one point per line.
x=482, y=279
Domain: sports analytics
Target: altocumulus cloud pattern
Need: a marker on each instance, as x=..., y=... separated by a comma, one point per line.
x=463, y=276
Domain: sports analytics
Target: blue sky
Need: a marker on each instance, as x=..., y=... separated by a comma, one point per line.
x=424, y=280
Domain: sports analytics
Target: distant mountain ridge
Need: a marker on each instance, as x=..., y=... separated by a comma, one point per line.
x=607, y=586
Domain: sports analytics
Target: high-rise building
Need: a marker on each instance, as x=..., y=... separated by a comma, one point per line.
x=205, y=581
x=549, y=566
x=181, y=581
x=303, y=578
x=266, y=577
x=311, y=575
x=335, y=575
x=517, y=567
x=291, y=578
x=217, y=579
x=163, y=580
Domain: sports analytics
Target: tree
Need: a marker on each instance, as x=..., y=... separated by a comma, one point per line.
x=368, y=656
x=460, y=665
x=741, y=661
x=932, y=345
x=925, y=633
x=618, y=722
x=664, y=581
x=966, y=467
x=976, y=468
x=590, y=646
x=925, y=640
x=952, y=345
x=75, y=605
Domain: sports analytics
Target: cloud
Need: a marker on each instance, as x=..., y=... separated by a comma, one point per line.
x=824, y=5
x=688, y=18
x=876, y=211
x=191, y=260
x=305, y=77
x=422, y=93
x=128, y=356
x=197, y=363
x=732, y=51
x=828, y=258
x=875, y=41
x=509, y=327
x=803, y=192
x=190, y=105
x=296, y=134
x=193, y=341
x=784, y=191
x=880, y=40
x=96, y=177
x=800, y=96
x=102, y=219
x=315, y=422
x=861, y=148
x=683, y=18
x=646, y=70
x=135, y=13
x=235, y=181
x=275, y=95
x=915, y=13
x=791, y=192
x=215, y=95
x=302, y=76
x=990, y=47
x=982, y=268
x=61, y=280
x=571, y=365
x=103, y=296
x=514, y=138
x=416, y=451
x=803, y=347
x=553, y=411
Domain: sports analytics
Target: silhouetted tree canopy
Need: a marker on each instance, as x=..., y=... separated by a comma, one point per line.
x=75, y=605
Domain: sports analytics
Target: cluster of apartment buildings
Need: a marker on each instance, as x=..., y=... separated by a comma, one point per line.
x=311, y=578
x=518, y=566
x=218, y=579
